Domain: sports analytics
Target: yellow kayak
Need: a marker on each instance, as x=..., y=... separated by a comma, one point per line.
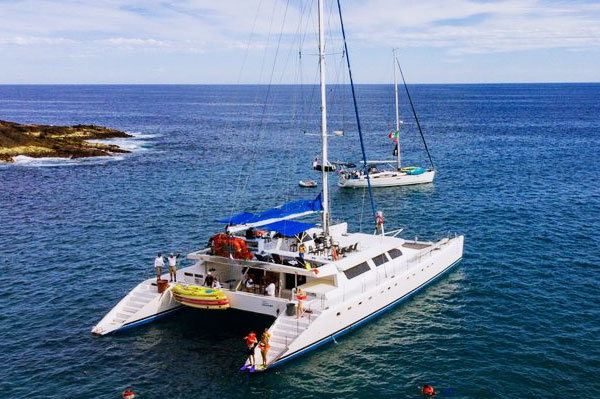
x=198, y=292
x=200, y=297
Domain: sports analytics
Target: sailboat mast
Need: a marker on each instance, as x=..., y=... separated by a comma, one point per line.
x=397, y=112
x=323, y=120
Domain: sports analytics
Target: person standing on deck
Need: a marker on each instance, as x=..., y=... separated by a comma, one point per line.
x=301, y=250
x=173, y=266
x=159, y=263
x=270, y=290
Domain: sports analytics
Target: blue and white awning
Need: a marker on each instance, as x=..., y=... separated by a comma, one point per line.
x=291, y=210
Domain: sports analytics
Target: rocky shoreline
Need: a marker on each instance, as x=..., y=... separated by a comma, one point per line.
x=40, y=141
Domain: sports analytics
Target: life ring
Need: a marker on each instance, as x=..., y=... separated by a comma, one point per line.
x=379, y=220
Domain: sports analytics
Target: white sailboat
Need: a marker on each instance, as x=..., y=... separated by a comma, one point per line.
x=398, y=176
x=327, y=280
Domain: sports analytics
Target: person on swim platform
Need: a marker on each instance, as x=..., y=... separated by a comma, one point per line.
x=264, y=346
x=251, y=343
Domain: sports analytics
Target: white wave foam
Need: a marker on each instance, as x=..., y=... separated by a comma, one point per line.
x=24, y=160
x=133, y=144
x=140, y=135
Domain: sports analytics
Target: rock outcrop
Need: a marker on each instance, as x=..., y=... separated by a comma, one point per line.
x=39, y=141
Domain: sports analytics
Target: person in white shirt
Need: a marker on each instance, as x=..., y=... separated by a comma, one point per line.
x=270, y=290
x=173, y=266
x=159, y=263
x=216, y=284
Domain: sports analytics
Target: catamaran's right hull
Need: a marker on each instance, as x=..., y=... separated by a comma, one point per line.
x=345, y=314
x=389, y=179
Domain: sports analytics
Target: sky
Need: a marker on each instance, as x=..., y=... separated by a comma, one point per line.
x=259, y=41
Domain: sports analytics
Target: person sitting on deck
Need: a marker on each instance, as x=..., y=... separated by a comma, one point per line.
x=248, y=283
x=208, y=281
x=216, y=284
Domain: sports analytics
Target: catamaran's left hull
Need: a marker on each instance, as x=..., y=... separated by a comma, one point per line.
x=141, y=305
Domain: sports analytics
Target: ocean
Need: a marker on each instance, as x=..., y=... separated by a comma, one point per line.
x=518, y=175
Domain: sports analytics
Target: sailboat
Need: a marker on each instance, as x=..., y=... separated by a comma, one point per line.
x=398, y=176
x=317, y=281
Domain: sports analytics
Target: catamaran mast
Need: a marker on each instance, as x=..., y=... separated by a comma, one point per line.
x=397, y=112
x=323, y=120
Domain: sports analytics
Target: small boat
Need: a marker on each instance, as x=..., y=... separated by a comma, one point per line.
x=200, y=297
x=307, y=183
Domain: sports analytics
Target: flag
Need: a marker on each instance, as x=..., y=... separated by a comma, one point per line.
x=394, y=134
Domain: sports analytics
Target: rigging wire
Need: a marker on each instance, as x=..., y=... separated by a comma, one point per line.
x=362, y=145
x=262, y=122
x=414, y=112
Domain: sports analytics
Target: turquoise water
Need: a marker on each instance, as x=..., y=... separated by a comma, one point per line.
x=518, y=174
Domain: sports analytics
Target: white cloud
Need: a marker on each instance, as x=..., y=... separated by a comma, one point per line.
x=214, y=30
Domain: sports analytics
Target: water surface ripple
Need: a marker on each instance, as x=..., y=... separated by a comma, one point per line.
x=518, y=175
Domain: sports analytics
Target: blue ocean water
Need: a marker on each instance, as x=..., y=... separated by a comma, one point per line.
x=518, y=174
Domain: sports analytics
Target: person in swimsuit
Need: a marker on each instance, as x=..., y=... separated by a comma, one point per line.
x=251, y=343
x=264, y=346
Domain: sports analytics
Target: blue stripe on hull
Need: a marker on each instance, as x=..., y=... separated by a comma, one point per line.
x=146, y=320
x=364, y=320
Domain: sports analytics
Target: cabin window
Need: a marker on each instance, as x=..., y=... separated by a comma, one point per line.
x=394, y=253
x=357, y=270
x=380, y=259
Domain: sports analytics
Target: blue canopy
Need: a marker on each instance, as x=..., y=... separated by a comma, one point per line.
x=291, y=208
x=288, y=228
x=279, y=212
x=238, y=219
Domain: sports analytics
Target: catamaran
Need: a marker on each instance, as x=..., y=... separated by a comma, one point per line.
x=327, y=280
x=398, y=176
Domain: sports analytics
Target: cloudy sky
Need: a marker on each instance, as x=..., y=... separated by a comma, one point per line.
x=235, y=41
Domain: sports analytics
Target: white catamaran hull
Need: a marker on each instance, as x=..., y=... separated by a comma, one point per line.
x=388, y=179
x=142, y=305
x=373, y=296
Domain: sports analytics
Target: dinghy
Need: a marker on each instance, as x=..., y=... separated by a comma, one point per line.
x=307, y=183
